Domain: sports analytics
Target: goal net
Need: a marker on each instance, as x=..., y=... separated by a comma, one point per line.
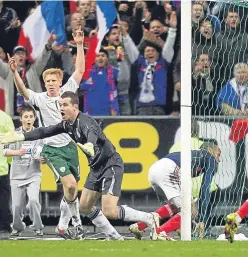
x=219, y=101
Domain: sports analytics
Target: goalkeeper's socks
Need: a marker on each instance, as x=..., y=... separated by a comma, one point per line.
x=128, y=214
x=164, y=212
x=243, y=211
x=73, y=207
x=65, y=215
x=100, y=221
x=171, y=225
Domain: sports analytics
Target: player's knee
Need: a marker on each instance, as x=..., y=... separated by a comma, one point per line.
x=175, y=204
x=71, y=185
x=110, y=211
x=85, y=208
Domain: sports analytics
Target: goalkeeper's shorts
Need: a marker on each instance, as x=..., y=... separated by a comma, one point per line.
x=63, y=161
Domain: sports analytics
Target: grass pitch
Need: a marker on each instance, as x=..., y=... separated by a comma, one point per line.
x=122, y=249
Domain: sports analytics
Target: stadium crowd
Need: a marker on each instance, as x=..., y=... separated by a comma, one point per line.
x=142, y=79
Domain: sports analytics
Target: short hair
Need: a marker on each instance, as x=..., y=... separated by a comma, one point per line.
x=53, y=71
x=27, y=108
x=210, y=143
x=238, y=66
x=73, y=97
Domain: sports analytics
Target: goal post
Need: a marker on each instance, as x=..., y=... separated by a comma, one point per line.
x=186, y=120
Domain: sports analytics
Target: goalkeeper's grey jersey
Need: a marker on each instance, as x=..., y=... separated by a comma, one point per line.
x=83, y=130
x=25, y=168
x=49, y=111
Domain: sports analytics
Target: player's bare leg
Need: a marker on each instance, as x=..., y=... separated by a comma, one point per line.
x=70, y=208
x=113, y=211
x=88, y=201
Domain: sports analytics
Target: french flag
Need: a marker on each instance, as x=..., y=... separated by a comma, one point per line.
x=106, y=14
x=47, y=17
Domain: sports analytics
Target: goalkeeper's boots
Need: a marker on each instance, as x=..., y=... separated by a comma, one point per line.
x=162, y=236
x=154, y=225
x=231, y=226
x=80, y=233
x=66, y=234
x=135, y=231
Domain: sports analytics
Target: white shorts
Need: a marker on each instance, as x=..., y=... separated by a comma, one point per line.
x=164, y=177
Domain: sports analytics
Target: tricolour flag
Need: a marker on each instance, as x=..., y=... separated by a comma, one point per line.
x=106, y=14
x=47, y=17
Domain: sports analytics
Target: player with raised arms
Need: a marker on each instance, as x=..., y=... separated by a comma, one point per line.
x=59, y=152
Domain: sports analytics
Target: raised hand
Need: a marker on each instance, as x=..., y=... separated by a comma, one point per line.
x=12, y=63
x=173, y=20
x=52, y=38
x=78, y=35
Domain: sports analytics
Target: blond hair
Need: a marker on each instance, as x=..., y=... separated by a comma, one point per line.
x=53, y=71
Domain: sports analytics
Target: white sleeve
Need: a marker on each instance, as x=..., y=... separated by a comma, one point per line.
x=35, y=98
x=71, y=85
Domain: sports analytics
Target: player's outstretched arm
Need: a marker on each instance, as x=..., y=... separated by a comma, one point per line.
x=78, y=36
x=38, y=133
x=18, y=80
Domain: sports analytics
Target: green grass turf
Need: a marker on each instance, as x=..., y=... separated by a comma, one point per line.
x=87, y=248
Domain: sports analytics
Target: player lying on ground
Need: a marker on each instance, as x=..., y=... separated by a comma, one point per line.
x=107, y=168
x=233, y=220
x=165, y=175
x=25, y=176
x=59, y=152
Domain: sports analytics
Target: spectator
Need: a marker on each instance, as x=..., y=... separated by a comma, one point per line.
x=205, y=42
x=30, y=73
x=2, y=54
x=177, y=84
x=84, y=7
x=197, y=15
x=233, y=43
x=118, y=56
x=74, y=20
x=100, y=89
x=203, y=89
x=232, y=99
x=5, y=213
x=9, y=27
x=61, y=58
x=152, y=71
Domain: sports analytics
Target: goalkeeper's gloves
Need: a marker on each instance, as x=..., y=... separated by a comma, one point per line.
x=11, y=137
x=87, y=148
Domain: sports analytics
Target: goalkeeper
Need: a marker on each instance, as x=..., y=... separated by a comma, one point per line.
x=106, y=173
x=164, y=176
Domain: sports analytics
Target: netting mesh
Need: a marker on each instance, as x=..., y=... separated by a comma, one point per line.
x=219, y=99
